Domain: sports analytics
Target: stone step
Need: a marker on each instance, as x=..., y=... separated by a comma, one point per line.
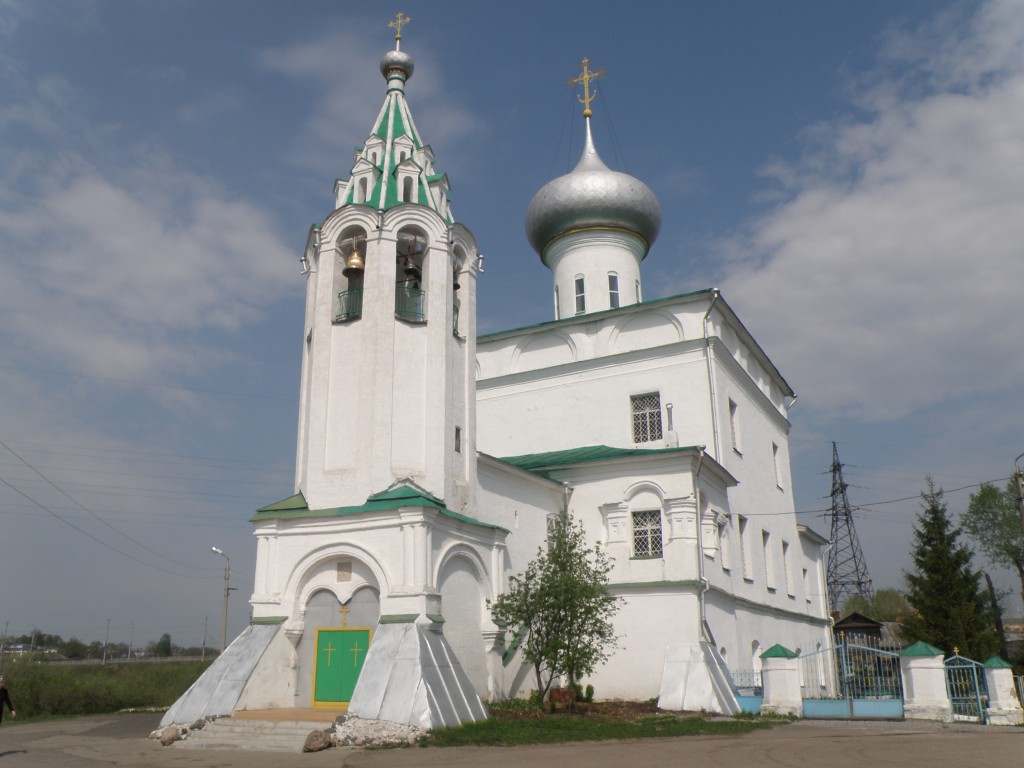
x=260, y=735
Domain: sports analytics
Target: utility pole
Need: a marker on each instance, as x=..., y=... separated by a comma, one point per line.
x=227, y=591
x=105, y=641
x=847, y=571
x=1018, y=477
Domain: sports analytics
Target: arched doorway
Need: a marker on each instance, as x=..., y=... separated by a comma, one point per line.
x=334, y=644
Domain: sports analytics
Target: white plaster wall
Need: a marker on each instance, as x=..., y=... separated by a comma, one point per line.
x=740, y=626
x=463, y=592
x=648, y=621
x=588, y=402
x=520, y=503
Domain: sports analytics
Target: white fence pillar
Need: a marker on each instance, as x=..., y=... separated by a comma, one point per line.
x=924, y=684
x=1003, y=706
x=780, y=677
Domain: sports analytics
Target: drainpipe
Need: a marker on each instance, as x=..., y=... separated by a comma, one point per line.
x=704, y=629
x=715, y=293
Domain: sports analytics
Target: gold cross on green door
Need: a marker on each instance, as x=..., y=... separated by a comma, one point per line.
x=339, y=660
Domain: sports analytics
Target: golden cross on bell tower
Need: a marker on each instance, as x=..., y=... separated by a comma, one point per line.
x=400, y=21
x=585, y=78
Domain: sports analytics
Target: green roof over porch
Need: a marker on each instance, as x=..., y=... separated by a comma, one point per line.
x=402, y=495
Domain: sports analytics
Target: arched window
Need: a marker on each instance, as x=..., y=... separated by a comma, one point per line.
x=581, y=298
x=410, y=296
x=613, y=290
x=361, y=191
x=636, y=284
x=457, y=278
x=349, y=266
x=558, y=309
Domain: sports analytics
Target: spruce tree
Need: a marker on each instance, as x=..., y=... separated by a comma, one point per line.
x=949, y=610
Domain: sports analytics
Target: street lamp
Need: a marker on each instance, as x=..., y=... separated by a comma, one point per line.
x=227, y=591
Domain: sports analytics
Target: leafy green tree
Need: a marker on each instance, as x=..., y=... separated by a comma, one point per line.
x=162, y=647
x=949, y=610
x=993, y=521
x=74, y=649
x=886, y=605
x=562, y=603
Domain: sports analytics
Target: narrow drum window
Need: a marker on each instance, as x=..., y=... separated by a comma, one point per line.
x=581, y=299
x=647, y=533
x=733, y=427
x=613, y=290
x=646, y=417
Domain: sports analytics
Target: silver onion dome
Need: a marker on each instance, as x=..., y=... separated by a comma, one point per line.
x=592, y=196
x=399, y=60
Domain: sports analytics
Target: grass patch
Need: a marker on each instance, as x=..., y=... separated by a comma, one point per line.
x=561, y=728
x=56, y=690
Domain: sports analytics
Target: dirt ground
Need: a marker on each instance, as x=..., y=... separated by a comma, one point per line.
x=120, y=742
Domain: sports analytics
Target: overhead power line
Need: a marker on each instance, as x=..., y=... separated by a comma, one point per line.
x=85, y=533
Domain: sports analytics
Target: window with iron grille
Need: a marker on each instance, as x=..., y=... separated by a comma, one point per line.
x=646, y=417
x=647, y=533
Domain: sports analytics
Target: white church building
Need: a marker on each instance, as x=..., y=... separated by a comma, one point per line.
x=429, y=460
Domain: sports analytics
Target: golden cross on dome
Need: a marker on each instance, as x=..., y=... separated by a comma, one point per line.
x=400, y=21
x=585, y=79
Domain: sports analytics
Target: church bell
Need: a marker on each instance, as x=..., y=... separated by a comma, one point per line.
x=353, y=264
x=411, y=270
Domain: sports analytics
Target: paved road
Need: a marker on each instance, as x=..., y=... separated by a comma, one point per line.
x=120, y=742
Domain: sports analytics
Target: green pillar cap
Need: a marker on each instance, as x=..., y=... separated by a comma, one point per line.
x=921, y=648
x=997, y=663
x=778, y=652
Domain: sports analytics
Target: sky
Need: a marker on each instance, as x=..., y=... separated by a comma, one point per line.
x=850, y=174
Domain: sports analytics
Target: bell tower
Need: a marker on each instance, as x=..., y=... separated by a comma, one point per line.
x=387, y=392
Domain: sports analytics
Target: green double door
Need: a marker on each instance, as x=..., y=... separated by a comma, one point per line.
x=340, y=653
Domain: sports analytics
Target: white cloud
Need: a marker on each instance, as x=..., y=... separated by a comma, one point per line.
x=123, y=274
x=889, y=278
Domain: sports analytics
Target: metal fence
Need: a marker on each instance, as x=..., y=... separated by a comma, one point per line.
x=859, y=676
x=967, y=688
x=747, y=682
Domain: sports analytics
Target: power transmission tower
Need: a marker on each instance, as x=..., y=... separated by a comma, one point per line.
x=847, y=571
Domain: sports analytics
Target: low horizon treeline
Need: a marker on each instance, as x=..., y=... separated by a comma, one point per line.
x=49, y=646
